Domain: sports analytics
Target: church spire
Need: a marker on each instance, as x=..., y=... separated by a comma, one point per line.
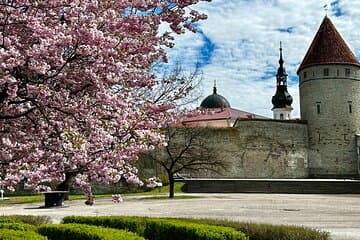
x=281, y=76
x=282, y=99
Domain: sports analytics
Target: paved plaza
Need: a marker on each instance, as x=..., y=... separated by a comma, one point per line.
x=338, y=214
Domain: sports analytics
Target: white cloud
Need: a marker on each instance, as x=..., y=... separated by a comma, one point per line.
x=247, y=39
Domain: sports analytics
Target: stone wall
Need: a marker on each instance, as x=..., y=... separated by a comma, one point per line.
x=261, y=149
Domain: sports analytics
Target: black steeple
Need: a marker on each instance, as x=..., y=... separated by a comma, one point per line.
x=281, y=75
x=282, y=98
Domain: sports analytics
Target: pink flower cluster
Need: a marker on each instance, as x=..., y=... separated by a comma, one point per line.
x=70, y=75
x=153, y=182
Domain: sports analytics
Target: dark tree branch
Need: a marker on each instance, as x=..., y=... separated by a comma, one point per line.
x=187, y=150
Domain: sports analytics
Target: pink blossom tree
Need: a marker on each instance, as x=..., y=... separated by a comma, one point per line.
x=70, y=75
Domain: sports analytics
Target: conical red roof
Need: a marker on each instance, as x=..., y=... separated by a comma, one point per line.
x=328, y=47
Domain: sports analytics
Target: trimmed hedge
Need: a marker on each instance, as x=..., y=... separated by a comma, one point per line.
x=6, y=219
x=270, y=232
x=254, y=231
x=29, y=219
x=17, y=226
x=131, y=224
x=162, y=229
x=84, y=232
x=9, y=234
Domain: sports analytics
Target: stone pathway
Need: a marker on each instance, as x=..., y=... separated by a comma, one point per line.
x=338, y=214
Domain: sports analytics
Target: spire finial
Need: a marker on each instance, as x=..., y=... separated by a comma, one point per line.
x=214, y=89
x=281, y=61
x=281, y=74
x=325, y=9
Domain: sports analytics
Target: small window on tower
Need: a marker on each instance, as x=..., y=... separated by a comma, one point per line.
x=305, y=75
x=326, y=72
x=347, y=72
x=281, y=116
x=338, y=72
x=350, y=106
x=318, y=107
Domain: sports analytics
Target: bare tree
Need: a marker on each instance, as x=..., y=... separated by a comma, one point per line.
x=176, y=85
x=187, y=150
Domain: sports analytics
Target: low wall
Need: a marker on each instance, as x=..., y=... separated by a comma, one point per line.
x=298, y=186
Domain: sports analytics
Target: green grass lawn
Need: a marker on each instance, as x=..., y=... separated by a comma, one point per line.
x=157, y=193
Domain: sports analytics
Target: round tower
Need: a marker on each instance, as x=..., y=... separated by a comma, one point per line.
x=282, y=99
x=329, y=82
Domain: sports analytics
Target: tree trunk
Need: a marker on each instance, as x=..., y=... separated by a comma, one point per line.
x=171, y=185
x=66, y=184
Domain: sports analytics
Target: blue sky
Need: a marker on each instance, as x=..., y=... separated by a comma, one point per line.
x=238, y=45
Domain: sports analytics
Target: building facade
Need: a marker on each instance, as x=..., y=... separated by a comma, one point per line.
x=324, y=143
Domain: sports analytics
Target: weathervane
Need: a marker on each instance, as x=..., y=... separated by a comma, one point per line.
x=214, y=88
x=325, y=9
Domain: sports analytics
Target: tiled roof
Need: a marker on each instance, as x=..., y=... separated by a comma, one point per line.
x=328, y=47
x=221, y=114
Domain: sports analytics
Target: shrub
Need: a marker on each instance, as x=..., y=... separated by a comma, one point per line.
x=254, y=231
x=84, y=232
x=7, y=219
x=162, y=229
x=164, y=179
x=17, y=226
x=131, y=224
x=270, y=232
x=9, y=234
x=33, y=220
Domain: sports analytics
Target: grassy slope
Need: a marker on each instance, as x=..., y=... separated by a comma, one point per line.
x=154, y=193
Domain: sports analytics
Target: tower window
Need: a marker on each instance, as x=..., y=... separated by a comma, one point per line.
x=350, y=106
x=318, y=107
x=305, y=74
x=347, y=72
x=338, y=72
x=281, y=116
x=326, y=72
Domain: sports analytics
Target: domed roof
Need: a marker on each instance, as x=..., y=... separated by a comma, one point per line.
x=282, y=98
x=215, y=101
